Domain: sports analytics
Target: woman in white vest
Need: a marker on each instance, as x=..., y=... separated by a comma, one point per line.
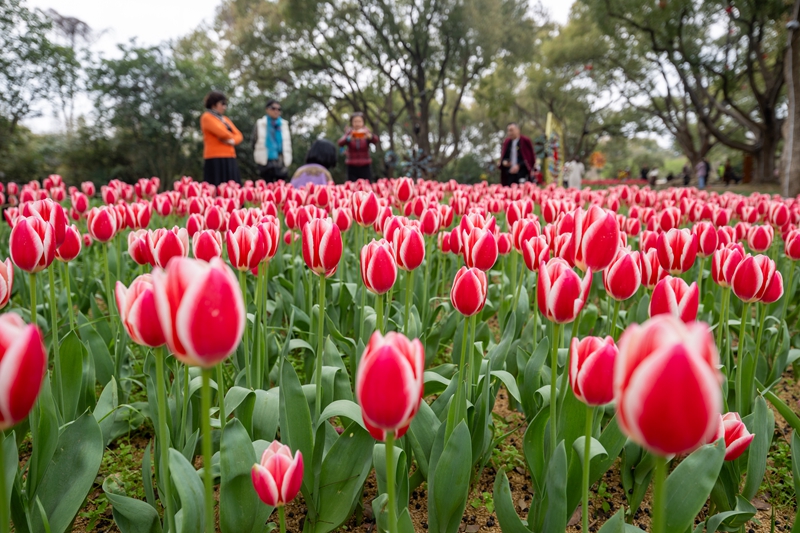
x=272, y=144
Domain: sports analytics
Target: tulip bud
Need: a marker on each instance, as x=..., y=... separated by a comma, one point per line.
x=378, y=267
x=655, y=360
x=535, y=251
x=468, y=293
x=409, y=247
x=677, y=250
x=724, y=263
x=675, y=297
x=207, y=244
x=279, y=476
x=757, y=279
x=6, y=282
x=591, y=369
x=596, y=238
x=201, y=310
x=404, y=189
x=140, y=247
x=245, y=248
x=792, y=245
x=504, y=243
x=71, y=246
x=389, y=383
x=23, y=364
x=102, y=223
x=50, y=212
x=759, y=238
x=365, y=208
x=479, y=248
x=166, y=244
x=522, y=230
x=737, y=437
x=707, y=238
x=322, y=246
x=429, y=221
x=137, y=311
x=32, y=245
x=623, y=276
x=342, y=218
x=561, y=294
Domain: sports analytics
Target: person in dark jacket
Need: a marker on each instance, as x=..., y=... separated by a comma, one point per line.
x=357, y=139
x=517, y=157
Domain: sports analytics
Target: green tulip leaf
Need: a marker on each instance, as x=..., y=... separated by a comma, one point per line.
x=616, y=524
x=448, y=487
x=72, y=354
x=342, y=408
x=189, y=486
x=131, y=515
x=761, y=423
x=732, y=519
x=295, y=419
x=690, y=484
x=10, y=458
x=596, y=449
x=504, y=506
x=555, y=518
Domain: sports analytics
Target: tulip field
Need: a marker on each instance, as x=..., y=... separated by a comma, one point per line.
x=398, y=356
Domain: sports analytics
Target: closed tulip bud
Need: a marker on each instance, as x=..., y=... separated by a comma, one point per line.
x=270, y=234
x=409, y=247
x=71, y=246
x=137, y=311
x=504, y=243
x=342, y=218
x=391, y=226
x=561, y=293
x=479, y=248
x=429, y=221
x=404, y=189
x=522, y=230
x=792, y=245
x=596, y=238
x=102, y=223
x=444, y=242
x=707, y=238
x=677, y=250
x=456, y=244
x=194, y=224
x=245, y=247
x=50, y=212
x=140, y=247
x=23, y=364
x=6, y=282
x=737, y=437
x=591, y=369
x=201, y=310
x=759, y=238
x=166, y=244
x=447, y=214
x=535, y=251
x=365, y=208
x=389, y=383
x=669, y=218
x=756, y=278
x=80, y=203
x=279, y=476
x=322, y=246
x=207, y=244
x=623, y=276
x=215, y=218
x=137, y=215
x=32, y=244
x=378, y=267
x=648, y=240
x=779, y=214
x=384, y=214
x=468, y=293
x=87, y=187
x=655, y=360
x=675, y=297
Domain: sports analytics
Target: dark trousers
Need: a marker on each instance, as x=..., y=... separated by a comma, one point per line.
x=359, y=172
x=273, y=171
x=507, y=178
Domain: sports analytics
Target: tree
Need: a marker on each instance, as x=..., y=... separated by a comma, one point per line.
x=737, y=77
x=790, y=175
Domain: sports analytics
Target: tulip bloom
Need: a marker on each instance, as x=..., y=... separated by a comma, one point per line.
x=322, y=246
x=409, y=247
x=389, y=383
x=737, y=437
x=140, y=247
x=404, y=189
x=756, y=278
x=655, y=360
x=707, y=238
x=71, y=246
x=378, y=267
x=429, y=221
x=207, y=244
x=623, y=276
x=479, y=248
x=137, y=311
x=535, y=251
x=6, y=282
x=23, y=364
x=245, y=248
x=522, y=230
x=166, y=244
x=560, y=293
x=201, y=310
x=792, y=245
x=468, y=293
x=759, y=238
x=32, y=245
x=724, y=263
x=677, y=250
x=365, y=208
x=279, y=476
x=102, y=223
x=673, y=296
x=50, y=212
x=591, y=369
x=596, y=238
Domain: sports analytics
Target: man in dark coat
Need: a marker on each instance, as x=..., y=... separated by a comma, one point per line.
x=516, y=157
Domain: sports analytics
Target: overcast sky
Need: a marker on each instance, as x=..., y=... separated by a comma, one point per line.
x=155, y=21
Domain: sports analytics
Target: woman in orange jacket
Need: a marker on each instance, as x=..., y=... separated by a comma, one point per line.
x=219, y=138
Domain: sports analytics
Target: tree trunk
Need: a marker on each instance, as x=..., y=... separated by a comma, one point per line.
x=764, y=159
x=790, y=160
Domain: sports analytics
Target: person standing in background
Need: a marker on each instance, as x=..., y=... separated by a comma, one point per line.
x=320, y=159
x=701, y=169
x=272, y=144
x=573, y=173
x=357, y=139
x=517, y=158
x=220, y=137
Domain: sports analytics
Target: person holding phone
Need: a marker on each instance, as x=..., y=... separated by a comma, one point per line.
x=357, y=139
x=220, y=137
x=272, y=144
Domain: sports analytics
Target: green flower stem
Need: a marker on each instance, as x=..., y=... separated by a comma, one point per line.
x=185, y=410
x=320, y=330
x=471, y=380
x=535, y=308
x=32, y=277
x=660, y=496
x=363, y=233
x=390, y=471
x=553, y=379
x=264, y=320
x=282, y=517
x=118, y=241
x=54, y=340
x=388, y=311
x=700, y=270
x=221, y=394
x=163, y=435
x=424, y=302
x=586, y=464
x=248, y=370
x=519, y=286
x=721, y=326
x=208, y=476
x=462, y=375
x=109, y=293
x=740, y=358
x=71, y=311
x=5, y=512
x=613, y=330
x=514, y=262
x=787, y=297
x=379, y=312
x=409, y=292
